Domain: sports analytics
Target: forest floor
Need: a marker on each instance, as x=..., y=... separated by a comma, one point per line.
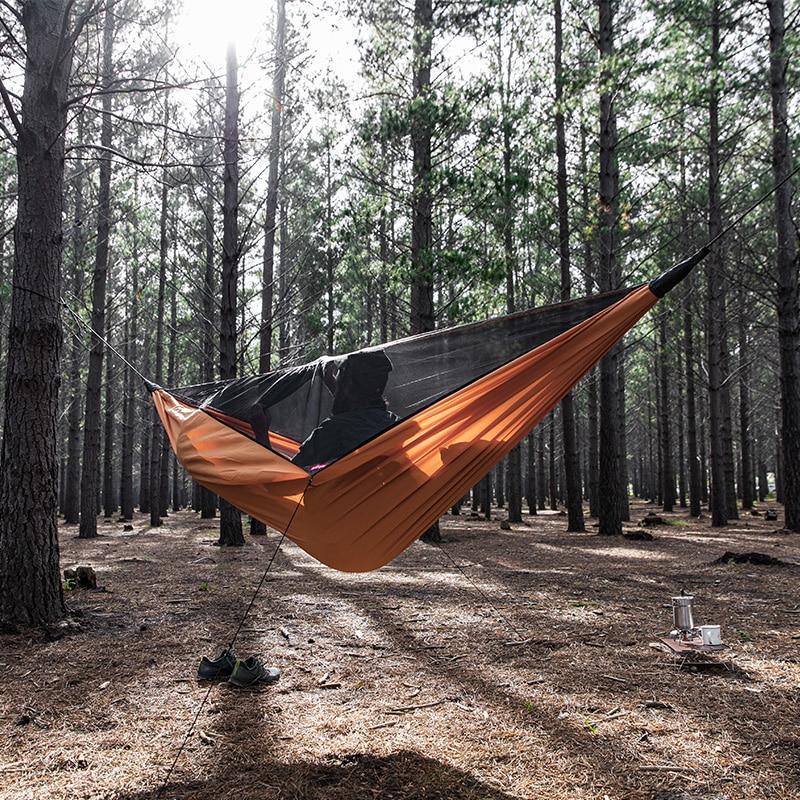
x=531, y=677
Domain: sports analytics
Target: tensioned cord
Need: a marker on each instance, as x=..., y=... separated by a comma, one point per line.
x=203, y=702
x=486, y=598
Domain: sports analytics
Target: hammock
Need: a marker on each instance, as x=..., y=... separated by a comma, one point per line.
x=426, y=418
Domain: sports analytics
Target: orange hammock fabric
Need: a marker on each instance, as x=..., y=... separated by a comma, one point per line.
x=364, y=509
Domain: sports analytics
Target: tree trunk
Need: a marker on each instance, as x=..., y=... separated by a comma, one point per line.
x=744, y=411
x=208, y=500
x=609, y=504
x=716, y=298
x=230, y=526
x=667, y=470
x=146, y=432
x=72, y=488
x=90, y=466
x=570, y=446
x=265, y=346
x=530, y=486
x=786, y=253
x=131, y=354
x=157, y=470
x=681, y=439
x=30, y=583
x=552, y=463
x=171, y=365
x=110, y=504
x=695, y=490
x=422, y=314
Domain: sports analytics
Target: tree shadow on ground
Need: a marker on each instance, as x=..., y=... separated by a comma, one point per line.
x=404, y=774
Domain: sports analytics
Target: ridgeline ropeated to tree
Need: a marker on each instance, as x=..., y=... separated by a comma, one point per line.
x=90, y=463
x=30, y=582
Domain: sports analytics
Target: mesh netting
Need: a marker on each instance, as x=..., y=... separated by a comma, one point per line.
x=318, y=412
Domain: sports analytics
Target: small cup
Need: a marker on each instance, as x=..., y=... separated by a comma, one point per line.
x=711, y=634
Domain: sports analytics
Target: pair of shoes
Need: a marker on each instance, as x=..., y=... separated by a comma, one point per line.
x=244, y=673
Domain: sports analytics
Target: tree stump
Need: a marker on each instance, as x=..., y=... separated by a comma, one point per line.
x=771, y=515
x=86, y=577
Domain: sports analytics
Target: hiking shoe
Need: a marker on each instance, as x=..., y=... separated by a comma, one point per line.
x=216, y=669
x=251, y=672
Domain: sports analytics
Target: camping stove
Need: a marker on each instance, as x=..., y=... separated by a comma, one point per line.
x=682, y=618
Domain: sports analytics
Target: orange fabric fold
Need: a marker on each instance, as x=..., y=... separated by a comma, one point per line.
x=366, y=508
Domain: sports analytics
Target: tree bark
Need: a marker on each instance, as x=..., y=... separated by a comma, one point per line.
x=208, y=500
x=695, y=490
x=72, y=488
x=110, y=504
x=422, y=313
x=716, y=300
x=572, y=473
x=230, y=526
x=667, y=470
x=745, y=441
x=30, y=583
x=131, y=354
x=786, y=257
x=265, y=345
x=90, y=466
x=609, y=505
x=157, y=470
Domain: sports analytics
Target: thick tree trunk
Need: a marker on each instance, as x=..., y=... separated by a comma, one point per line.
x=30, y=583
x=230, y=527
x=90, y=466
x=786, y=255
x=716, y=298
x=609, y=505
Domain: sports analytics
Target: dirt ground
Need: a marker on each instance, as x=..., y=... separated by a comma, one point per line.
x=531, y=675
